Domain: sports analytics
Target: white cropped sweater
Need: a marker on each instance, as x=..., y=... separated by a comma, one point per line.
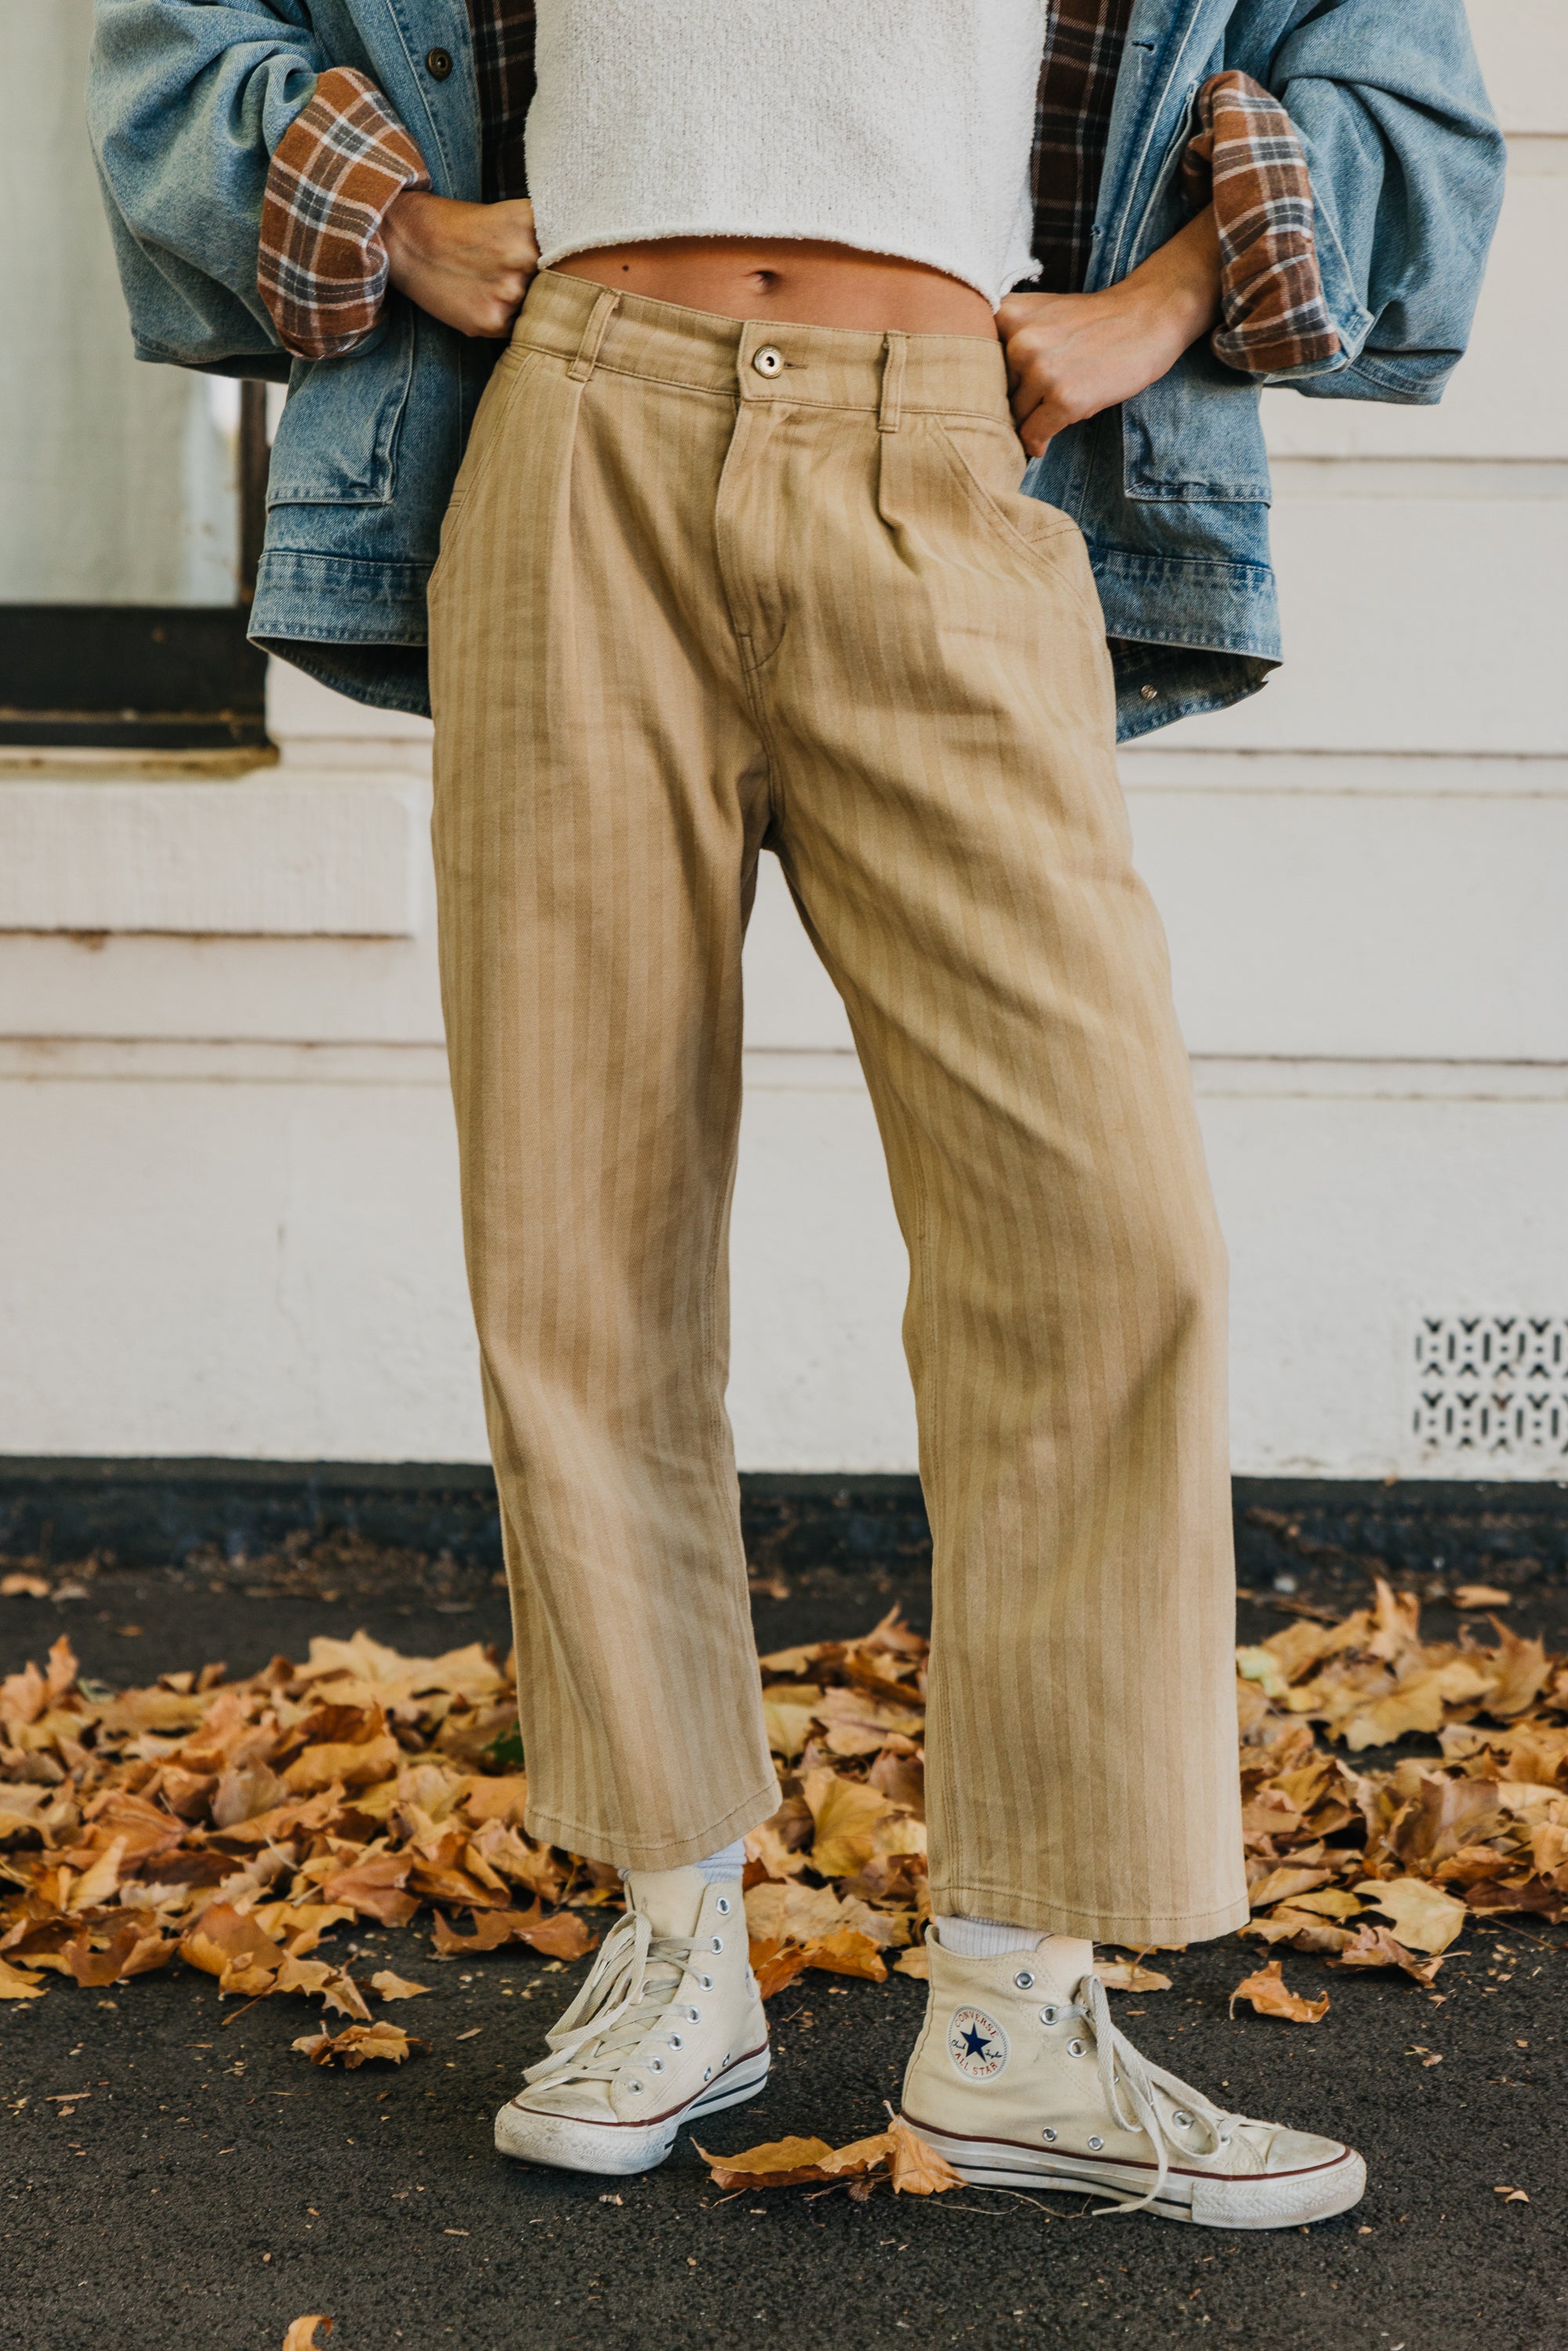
x=896, y=126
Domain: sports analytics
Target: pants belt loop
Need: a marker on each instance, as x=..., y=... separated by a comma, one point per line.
x=603, y=310
x=890, y=410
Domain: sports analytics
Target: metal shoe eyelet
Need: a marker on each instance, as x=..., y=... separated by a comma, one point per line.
x=1075, y=2048
x=1024, y=1981
x=1182, y=2122
x=706, y=1982
x=718, y=1943
x=635, y=2088
x=707, y=2072
x=1048, y=2136
x=656, y=2064
x=676, y=2040
x=1096, y=2144
x=1047, y=2016
x=723, y=1906
x=1225, y=2138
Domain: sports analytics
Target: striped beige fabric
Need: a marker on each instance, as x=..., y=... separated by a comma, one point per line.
x=708, y=588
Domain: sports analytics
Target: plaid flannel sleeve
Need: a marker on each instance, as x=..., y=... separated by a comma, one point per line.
x=322, y=269
x=1247, y=157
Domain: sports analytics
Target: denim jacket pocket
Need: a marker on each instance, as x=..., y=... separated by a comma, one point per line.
x=337, y=438
x=1197, y=436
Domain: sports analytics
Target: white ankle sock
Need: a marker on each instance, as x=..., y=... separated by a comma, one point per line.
x=985, y=1938
x=727, y=1862
x=717, y=1867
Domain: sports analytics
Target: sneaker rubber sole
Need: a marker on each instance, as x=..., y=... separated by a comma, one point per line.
x=573, y=2143
x=1285, y=2200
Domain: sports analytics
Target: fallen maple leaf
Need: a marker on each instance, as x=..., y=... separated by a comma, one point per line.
x=18, y=1983
x=223, y=1937
x=300, y=1926
x=1374, y=1947
x=373, y=1889
x=133, y=1950
x=96, y=1884
x=1424, y=1916
x=1522, y=1669
x=1129, y=1975
x=562, y=1936
x=846, y=1813
x=776, y=1969
x=796, y=2162
x=1284, y=1885
x=1332, y=1902
x=917, y=2170
x=846, y=1953
x=1482, y=1596
x=393, y=1987
x=1272, y=1996
x=357, y=2042
x=301, y=2336
x=24, y=1587
x=781, y=2163
x=917, y=1961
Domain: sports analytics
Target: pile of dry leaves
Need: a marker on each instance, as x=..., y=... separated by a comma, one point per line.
x=234, y=1823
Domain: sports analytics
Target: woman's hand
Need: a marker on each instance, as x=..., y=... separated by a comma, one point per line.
x=467, y=264
x=1071, y=355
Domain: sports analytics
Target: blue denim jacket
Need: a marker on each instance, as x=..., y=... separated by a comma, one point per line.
x=187, y=100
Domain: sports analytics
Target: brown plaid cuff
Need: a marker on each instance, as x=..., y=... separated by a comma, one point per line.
x=322, y=268
x=1247, y=157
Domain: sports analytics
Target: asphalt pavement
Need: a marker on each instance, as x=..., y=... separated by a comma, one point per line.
x=172, y=2174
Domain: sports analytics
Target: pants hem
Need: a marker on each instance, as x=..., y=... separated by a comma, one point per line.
x=1048, y=1915
x=621, y=1852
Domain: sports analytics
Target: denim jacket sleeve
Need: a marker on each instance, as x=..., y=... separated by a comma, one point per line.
x=1406, y=165
x=186, y=101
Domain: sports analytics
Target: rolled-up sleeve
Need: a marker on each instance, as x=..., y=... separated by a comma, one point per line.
x=1247, y=159
x=322, y=260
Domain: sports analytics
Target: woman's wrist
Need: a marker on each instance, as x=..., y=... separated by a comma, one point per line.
x=401, y=226
x=1176, y=289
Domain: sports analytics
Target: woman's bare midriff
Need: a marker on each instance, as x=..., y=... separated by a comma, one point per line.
x=799, y=284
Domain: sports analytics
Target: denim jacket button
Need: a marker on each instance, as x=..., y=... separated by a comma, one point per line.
x=437, y=64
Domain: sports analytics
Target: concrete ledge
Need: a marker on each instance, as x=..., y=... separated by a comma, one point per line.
x=252, y=1521
x=272, y=859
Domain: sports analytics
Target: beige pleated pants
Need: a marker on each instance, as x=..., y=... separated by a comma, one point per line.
x=708, y=586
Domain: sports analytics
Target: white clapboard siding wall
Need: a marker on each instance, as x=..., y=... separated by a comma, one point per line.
x=227, y=1194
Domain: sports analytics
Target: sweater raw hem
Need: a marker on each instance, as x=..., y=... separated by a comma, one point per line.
x=926, y=258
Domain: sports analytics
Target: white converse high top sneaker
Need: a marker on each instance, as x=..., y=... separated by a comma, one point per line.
x=667, y=2027
x=1021, y=2080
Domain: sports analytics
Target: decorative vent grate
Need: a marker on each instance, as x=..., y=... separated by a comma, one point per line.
x=1492, y=1384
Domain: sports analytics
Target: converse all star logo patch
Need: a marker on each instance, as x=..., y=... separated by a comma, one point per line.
x=975, y=2044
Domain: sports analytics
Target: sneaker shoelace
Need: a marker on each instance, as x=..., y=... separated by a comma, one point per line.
x=1122, y=2068
x=632, y=1986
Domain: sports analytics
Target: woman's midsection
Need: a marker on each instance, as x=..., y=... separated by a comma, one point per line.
x=805, y=284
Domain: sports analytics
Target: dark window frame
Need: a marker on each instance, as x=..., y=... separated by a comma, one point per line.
x=145, y=677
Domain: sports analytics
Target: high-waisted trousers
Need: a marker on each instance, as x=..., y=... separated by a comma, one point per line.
x=708, y=586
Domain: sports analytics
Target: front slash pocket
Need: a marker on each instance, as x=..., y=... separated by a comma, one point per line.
x=989, y=470
x=486, y=437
